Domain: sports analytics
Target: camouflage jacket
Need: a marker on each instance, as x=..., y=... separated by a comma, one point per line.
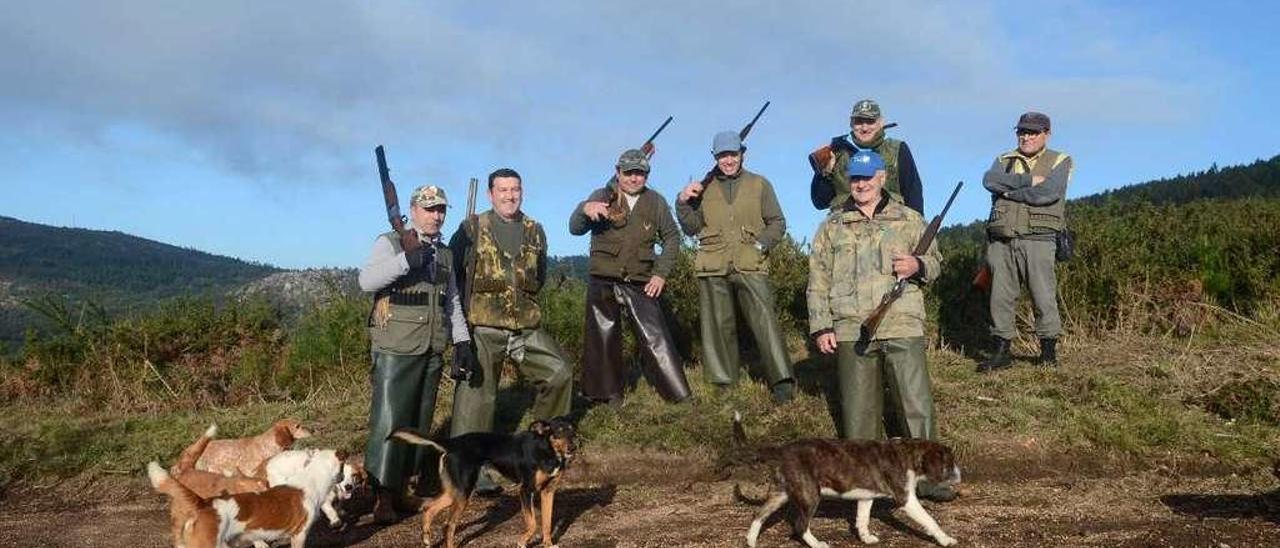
x=500, y=289
x=851, y=268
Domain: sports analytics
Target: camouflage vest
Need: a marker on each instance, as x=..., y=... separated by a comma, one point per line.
x=624, y=250
x=888, y=151
x=504, y=289
x=1010, y=219
x=408, y=316
x=727, y=241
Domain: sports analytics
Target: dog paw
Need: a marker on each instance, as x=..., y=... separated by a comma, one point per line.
x=426, y=540
x=869, y=538
x=946, y=540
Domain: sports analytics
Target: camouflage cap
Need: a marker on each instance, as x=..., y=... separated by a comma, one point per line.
x=867, y=109
x=633, y=159
x=1033, y=121
x=427, y=196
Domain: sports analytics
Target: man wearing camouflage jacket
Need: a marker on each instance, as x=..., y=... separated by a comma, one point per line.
x=504, y=256
x=859, y=252
x=416, y=315
x=626, y=220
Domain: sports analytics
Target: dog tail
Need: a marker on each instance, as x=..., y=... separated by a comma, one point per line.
x=409, y=435
x=162, y=482
x=187, y=460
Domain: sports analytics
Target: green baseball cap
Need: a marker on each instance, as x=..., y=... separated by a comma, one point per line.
x=866, y=108
x=428, y=196
x=633, y=159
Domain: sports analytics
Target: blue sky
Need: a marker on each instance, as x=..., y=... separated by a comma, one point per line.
x=247, y=128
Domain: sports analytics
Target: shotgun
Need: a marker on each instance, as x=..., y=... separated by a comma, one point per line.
x=872, y=322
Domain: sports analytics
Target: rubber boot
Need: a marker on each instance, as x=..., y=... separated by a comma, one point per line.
x=1049, y=352
x=999, y=358
x=783, y=391
x=935, y=492
x=485, y=486
x=384, y=511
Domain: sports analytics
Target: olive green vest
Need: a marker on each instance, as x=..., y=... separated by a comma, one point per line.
x=504, y=289
x=625, y=250
x=408, y=316
x=1010, y=219
x=727, y=241
x=888, y=151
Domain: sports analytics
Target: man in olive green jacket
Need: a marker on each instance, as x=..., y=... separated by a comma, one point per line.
x=416, y=315
x=859, y=252
x=1028, y=188
x=736, y=220
x=504, y=256
x=626, y=219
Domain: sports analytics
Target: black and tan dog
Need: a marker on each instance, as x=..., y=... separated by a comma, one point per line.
x=810, y=469
x=535, y=459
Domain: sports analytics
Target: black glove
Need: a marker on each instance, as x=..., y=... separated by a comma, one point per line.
x=464, y=361
x=423, y=256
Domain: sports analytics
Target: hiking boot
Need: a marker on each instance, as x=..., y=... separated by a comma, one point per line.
x=783, y=391
x=999, y=358
x=935, y=492
x=1049, y=352
x=486, y=487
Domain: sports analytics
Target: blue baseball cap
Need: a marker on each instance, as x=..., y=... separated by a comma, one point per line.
x=865, y=163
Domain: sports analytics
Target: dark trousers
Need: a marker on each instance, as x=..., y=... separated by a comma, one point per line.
x=404, y=395
x=603, y=371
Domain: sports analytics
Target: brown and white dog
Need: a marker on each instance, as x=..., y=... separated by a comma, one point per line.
x=246, y=456
x=211, y=484
x=810, y=469
x=284, y=511
x=289, y=467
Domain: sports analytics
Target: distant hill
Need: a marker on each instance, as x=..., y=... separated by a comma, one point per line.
x=114, y=269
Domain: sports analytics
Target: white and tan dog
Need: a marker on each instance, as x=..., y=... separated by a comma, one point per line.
x=290, y=468
x=281, y=512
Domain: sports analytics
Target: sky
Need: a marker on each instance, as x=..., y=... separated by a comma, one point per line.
x=247, y=129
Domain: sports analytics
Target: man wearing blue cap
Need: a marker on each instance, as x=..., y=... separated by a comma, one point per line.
x=859, y=252
x=736, y=220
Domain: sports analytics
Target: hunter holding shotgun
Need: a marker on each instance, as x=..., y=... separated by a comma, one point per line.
x=416, y=315
x=862, y=249
x=626, y=219
x=736, y=219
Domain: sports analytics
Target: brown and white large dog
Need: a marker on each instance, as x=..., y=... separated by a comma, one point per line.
x=246, y=456
x=284, y=511
x=810, y=469
x=211, y=484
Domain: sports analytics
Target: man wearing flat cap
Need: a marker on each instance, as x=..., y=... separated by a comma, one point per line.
x=736, y=220
x=1028, y=188
x=626, y=220
x=829, y=188
x=416, y=315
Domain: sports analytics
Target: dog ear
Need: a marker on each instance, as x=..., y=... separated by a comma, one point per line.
x=936, y=460
x=540, y=427
x=342, y=455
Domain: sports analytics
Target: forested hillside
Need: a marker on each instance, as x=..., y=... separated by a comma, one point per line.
x=113, y=269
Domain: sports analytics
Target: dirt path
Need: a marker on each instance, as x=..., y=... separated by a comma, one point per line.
x=656, y=500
